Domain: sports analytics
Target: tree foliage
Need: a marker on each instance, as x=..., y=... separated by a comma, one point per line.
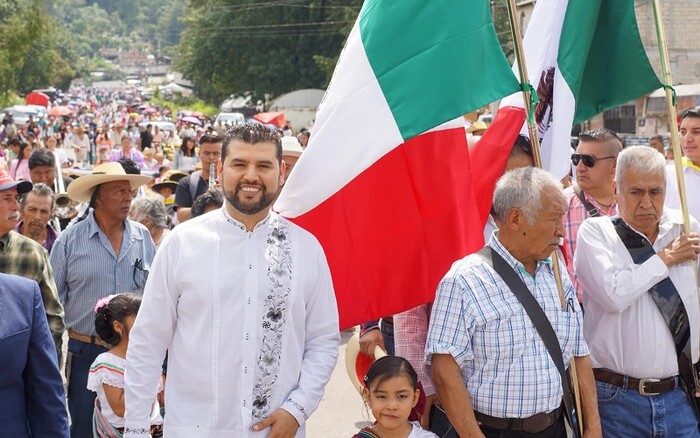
x=262, y=48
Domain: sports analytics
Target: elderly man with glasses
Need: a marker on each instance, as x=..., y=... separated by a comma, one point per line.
x=593, y=192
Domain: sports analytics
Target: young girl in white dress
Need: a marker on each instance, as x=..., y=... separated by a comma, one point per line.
x=391, y=392
x=114, y=317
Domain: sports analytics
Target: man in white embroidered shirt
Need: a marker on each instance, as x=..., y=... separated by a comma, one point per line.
x=242, y=300
x=489, y=365
x=632, y=267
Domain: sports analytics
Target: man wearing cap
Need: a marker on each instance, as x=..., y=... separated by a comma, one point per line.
x=186, y=193
x=104, y=254
x=291, y=151
x=20, y=255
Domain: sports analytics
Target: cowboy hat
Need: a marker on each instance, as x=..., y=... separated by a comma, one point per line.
x=357, y=363
x=7, y=182
x=477, y=127
x=291, y=147
x=175, y=175
x=82, y=188
x=163, y=184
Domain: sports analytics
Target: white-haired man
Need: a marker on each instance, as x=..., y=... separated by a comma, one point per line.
x=492, y=371
x=641, y=301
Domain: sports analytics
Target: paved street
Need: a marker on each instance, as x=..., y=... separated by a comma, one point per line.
x=341, y=411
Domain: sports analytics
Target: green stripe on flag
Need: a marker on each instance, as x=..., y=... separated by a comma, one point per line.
x=601, y=56
x=434, y=60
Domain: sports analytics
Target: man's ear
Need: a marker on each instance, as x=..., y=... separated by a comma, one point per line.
x=283, y=171
x=514, y=219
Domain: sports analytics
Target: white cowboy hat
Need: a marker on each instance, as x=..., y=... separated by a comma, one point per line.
x=82, y=188
x=291, y=147
x=357, y=363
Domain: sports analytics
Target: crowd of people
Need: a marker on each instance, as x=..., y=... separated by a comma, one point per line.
x=193, y=309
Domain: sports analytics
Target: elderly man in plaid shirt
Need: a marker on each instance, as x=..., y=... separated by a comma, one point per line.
x=489, y=364
x=20, y=255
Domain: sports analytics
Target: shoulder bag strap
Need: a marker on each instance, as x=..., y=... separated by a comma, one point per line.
x=669, y=303
x=590, y=208
x=539, y=320
x=194, y=184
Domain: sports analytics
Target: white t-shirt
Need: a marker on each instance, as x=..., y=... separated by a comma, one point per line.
x=417, y=432
x=109, y=369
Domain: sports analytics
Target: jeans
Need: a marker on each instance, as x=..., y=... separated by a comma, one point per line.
x=387, y=328
x=556, y=430
x=81, y=401
x=626, y=413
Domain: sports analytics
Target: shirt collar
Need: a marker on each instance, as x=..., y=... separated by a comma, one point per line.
x=508, y=257
x=94, y=228
x=240, y=225
x=690, y=164
x=5, y=241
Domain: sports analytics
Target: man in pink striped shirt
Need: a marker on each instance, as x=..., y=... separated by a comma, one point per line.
x=593, y=191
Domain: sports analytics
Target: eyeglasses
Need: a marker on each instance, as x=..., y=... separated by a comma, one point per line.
x=588, y=160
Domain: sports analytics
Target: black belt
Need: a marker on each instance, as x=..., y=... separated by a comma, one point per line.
x=535, y=424
x=646, y=387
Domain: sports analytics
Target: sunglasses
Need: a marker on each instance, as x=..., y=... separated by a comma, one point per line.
x=588, y=160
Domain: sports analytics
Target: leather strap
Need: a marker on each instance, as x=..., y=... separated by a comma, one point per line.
x=534, y=424
x=539, y=320
x=669, y=302
x=590, y=208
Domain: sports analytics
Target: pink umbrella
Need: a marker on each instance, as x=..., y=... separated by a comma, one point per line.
x=57, y=111
x=150, y=110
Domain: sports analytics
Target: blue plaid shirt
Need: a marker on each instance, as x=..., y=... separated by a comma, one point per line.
x=478, y=320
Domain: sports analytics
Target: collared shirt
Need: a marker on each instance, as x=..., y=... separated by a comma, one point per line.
x=623, y=326
x=51, y=236
x=691, y=175
x=573, y=219
x=209, y=301
x=410, y=333
x=20, y=255
x=87, y=269
x=479, y=322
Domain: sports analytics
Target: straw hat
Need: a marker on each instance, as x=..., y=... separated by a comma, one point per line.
x=82, y=188
x=291, y=147
x=478, y=126
x=167, y=183
x=175, y=175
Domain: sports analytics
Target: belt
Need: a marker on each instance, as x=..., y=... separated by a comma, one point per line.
x=535, y=424
x=156, y=430
x=94, y=340
x=646, y=387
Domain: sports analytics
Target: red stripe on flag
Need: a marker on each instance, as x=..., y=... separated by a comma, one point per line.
x=490, y=155
x=392, y=233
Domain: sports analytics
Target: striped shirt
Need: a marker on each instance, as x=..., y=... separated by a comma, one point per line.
x=479, y=322
x=20, y=255
x=573, y=219
x=87, y=269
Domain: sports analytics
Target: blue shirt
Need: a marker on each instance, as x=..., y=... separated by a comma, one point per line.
x=478, y=320
x=86, y=268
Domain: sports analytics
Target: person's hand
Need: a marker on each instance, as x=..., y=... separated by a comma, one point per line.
x=430, y=400
x=683, y=248
x=282, y=424
x=370, y=340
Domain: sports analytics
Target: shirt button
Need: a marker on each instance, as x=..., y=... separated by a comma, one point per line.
x=246, y=336
x=248, y=300
x=250, y=266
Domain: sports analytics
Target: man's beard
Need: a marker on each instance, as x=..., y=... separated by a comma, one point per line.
x=266, y=199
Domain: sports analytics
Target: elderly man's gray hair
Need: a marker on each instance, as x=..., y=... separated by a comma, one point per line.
x=522, y=189
x=39, y=189
x=640, y=159
x=151, y=207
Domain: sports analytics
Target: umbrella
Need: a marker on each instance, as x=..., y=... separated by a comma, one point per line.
x=37, y=98
x=194, y=120
x=198, y=115
x=150, y=110
x=60, y=111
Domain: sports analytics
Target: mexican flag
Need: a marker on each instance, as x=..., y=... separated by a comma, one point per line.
x=583, y=57
x=385, y=183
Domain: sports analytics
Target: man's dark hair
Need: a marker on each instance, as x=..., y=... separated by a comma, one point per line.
x=657, y=137
x=41, y=157
x=693, y=113
x=521, y=147
x=129, y=166
x=603, y=135
x=210, y=138
x=149, y=126
x=210, y=198
x=14, y=141
x=39, y=189
x=251, y=134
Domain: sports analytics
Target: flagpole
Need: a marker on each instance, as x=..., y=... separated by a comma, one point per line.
x=537, y=157
x=673, y=126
